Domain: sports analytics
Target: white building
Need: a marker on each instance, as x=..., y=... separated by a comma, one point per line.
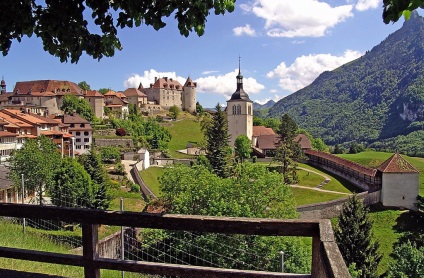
x=239, y=113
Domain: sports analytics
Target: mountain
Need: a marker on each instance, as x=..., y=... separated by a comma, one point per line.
x=258, y=106
x=377, y=96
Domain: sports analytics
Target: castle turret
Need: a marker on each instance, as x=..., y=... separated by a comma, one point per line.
x=239, y=112
x=2, y=86
x=189, y=96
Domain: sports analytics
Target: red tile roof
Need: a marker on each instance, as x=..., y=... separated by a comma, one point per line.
x=397, y=164
x=93, y=93
x=7, y=134
x=133, y=92
x=268, y=142
x=47, y=86
x=166, y=82
x=261, y=130
x=303, y=141
x=343, y=162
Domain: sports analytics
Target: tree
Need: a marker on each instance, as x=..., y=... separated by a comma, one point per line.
x=337, y=149
x=394, y=9
x=37, y=161
x=72, y=103
x=319, y=145
x=218, y=150
x=408, y=261
x=288, y=150
x=199, y=109
x=72, y=185
x=63, y=26
x=243, y=147
x=93, y=165
x=253, y=191
x=273, y=123
x=258, y=121
x=354, y=237
x=83, y=85
x=103, y=90
x=174, y=112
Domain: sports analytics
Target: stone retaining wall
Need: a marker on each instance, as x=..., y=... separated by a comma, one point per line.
x=330, y=209
x=124, y=142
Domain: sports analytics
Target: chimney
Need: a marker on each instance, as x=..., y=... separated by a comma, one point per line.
x=156, y=79
x=166, y=79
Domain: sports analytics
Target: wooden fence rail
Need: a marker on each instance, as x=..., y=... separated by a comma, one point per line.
x=326, y=258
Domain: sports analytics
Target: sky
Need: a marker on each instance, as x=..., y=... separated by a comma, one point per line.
x=283, y=46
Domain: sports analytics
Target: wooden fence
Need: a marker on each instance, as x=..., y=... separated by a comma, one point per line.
x=326, y=258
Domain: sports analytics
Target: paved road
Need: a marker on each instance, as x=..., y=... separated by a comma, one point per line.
x=128, y=166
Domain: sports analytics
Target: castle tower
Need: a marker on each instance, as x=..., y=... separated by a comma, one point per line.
x=399, y=182
x=189, y=96
x=239, y=112
x=3, y=87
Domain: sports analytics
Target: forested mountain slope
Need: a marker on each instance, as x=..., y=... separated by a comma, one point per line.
x=377, y=96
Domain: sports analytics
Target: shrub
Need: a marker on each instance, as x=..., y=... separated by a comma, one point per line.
x=121, y=132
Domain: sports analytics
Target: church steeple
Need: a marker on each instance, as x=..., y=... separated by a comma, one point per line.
x=240, y=94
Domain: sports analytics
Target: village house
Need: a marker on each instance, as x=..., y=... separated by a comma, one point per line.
x=81, y=131
x=96, y=101
x=136, y=97
x=117, y=103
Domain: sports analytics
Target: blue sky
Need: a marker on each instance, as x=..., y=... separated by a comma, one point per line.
x=284, y=45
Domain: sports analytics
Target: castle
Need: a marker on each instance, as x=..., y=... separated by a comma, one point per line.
x=45, y=97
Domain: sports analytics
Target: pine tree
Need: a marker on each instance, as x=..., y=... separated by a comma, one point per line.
x=218, y=150
x=288, y=149
x=354, y=237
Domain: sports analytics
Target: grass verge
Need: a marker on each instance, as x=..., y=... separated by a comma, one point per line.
x=151, y=176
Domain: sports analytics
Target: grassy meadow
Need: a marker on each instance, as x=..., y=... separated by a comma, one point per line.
x=185, y=130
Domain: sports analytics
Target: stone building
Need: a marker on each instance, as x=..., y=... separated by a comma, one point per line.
x=239, y=113
x=168, y=92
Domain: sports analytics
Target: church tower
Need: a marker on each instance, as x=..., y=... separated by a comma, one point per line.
x=3, y=87
x=239, y=112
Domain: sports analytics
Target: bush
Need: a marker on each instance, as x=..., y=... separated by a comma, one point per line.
x=121, y=132
x=135, y=188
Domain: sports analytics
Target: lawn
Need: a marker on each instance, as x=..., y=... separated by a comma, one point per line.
x=389, y=225
x=309, y=179
x=374, y=159
x=336, y=183
x=132, y=201
x=183, y=131
x=12, y=236
x=150, y=177
x=306, y=196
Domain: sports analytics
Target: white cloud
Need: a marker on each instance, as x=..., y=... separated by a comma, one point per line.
x=364, y=5
x=206, y=72
x=148, y=77
x=305, y=69
x=298, y=18
x=263, y=101
x=227, y=84
x=244, y=30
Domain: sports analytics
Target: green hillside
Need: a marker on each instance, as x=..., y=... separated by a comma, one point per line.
x=377, y=96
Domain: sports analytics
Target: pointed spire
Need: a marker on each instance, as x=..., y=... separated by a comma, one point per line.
x=240, y=94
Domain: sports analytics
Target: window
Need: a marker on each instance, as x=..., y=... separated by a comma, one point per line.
x=82, y=125
x=250, y=110
x=234, y=109
x=78, y=133
x=86, y=133
x=72, y=125
x=86, y=146
x=238, y=109
x=86, y=140
x=78, y=147
x=78, y=140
